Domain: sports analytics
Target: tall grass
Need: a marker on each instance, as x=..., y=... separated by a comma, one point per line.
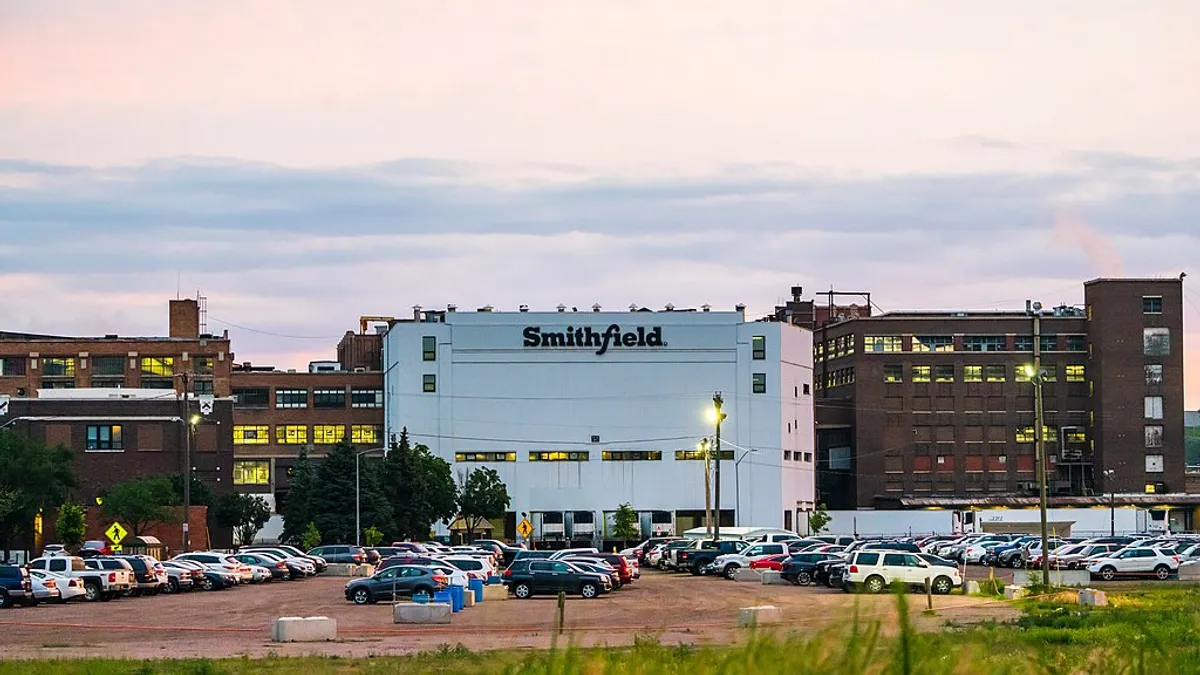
x=1148, y=632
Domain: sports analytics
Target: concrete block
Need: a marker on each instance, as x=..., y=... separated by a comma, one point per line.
x=1189, y=571
x=1064, y=578
x=468, y=599
x=751, y=617
x=1014, y=592
x=304, y=629
x=412, y=612
x=495, y=592
x=973, y=588
x=773, y=578
x=1090, y=597
x=746, y=575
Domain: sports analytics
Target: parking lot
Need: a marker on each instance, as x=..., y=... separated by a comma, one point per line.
x=672, y=607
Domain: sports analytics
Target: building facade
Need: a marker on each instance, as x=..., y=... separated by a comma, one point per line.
x=917, y=407
x=582, y=411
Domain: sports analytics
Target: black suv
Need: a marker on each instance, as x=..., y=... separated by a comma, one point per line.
x=15, y=586
x=525, y=578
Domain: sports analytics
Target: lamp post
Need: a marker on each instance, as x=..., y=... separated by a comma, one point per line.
x=1112, y=502
x=737, y=486
x=704, y=454
x=358, y=491
x=717, y=417
x=1037, y=376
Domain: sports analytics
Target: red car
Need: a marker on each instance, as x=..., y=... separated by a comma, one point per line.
x=771, y=562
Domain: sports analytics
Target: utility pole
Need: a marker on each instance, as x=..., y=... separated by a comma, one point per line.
x=187, y=463
x=1040, y=435
x=1112, y=502
x=717, y=402
x=706, y=453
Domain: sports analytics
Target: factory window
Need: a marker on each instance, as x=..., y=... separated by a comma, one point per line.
x=996, y=373
x=158, y=366
x=328, y=434
x=690, y=455
x=945, y=463
x=837, y=378
x=365, y=434
x=58, y=367
x=252, y=472
x=1152, y=305
x=485, y=456
x=984, y=343
x=202, y=387
x=893, y=464
x=1075, y=435
x=818, y=352
x=291, y=398
x=1154, y=436
x=787, y=455
x=1154, y=374
x=631, y=455
x=251, y=434
x=997, y=462
x=108, y=365
x=883, y=343
x=366, y=398
x=560, y=456
x=1154, y=407
x=808, y=457
x=104, y=438
x=922, y=464
x=1025, y=463
x=758, y=347
x=974, y=463
x=291, y=434
x=1049, y=373
x=759, y=383
x=943, y=373
x=429, y=383
x=933, y=343
x=257, y=397
x=920, y=373
x=1076, y=373
x=329, y=398
x=203, y=365
x=807, y=389
x=429, y=348
x=1022, y=373
x=1076, y=343
x=972, y=373
x=1154, y=463
x=12, y=365
x=1049, y=343
x=1156, y=341
x=1023, y=343
x=1025, y=434
x=893, y=373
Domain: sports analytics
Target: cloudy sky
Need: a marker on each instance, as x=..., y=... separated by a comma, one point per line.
x=302, y=163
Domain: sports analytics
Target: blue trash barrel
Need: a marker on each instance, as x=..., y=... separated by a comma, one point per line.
x=421, y=598
x=493, y=580
x=477, y=589
x=457, y=593
x=444, y=598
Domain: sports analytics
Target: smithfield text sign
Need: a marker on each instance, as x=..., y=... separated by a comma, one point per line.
x=587, y=337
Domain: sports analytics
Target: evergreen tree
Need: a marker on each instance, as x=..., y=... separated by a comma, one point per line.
x=419, y=486
x=296, y=513
x=331, y=501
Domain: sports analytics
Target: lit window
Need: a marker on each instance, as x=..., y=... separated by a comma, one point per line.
x=328, y=434
x=429, y=348
x=893, y=373
x=252, y=472
x=291, y=398
x=1025, y=434
x=1154, y=407
x=560, y=456
x=631, y=455
x=291, y=434
x=933, y=343
x=329, y=398
x=690, y=455
x=1049, y=373
x=920, y=373
x=1076, y=373
x=995, y=373
x=1156, y=341
x=365, y=434
x=972, y=373
x=1152, y=305
x=250, y=434
x=429, y=383
x=203, y=365
x=759, y=383
x=758, y=347
x=58, y=367
x=485, y=456
x=366, y=398
x=943, y=373
x=158, y=366
x=104, y=438
x=883, y=343
x=1022, y=373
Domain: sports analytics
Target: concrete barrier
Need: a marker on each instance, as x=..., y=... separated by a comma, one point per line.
x=1090, y=597
x=345, y=570
x=468, y=599
x=1189, y=571
x=304, y=629
x=752, y=617
x=413, y=612
x=1071, y=578
x=973, y=588
x=747, y=575
x=773, y=578
x=1015, y=592
x=495, y=592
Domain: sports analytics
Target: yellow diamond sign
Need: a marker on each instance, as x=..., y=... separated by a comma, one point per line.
x=115, y=533
x=525, y=528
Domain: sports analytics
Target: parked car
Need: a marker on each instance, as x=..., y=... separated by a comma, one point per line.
x=341, y=554
x=598, y=567
x=482, y=569
x=146, y=577
x=526, y=578
x=321, y=563
x=298, y=564
x=706, y=552
x=220, y=562
x=212, y=577
x=16, y=588
x=120, y=575
x=829, y=572
x=728, y=564
x=1135, y=562
x=45, y=589
x=276, y=568
x=98, y=583
x=875, y=571
x=180, y=578
x=771, y=562
x=394, y=582
x=650, y=545
x=407, y=559
x=69, y=588
x=51, y=550
x=799, y=568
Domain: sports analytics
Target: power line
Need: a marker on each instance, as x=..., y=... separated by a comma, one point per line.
x=271, y=334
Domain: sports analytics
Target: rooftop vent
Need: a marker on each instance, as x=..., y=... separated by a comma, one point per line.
x=561, y=307
x=524, y=308
x=670, y=307
x=633, y=308
x=451, y=308
x=596, y=307
x=416, y=312
x=739, y=307
x=486, y=308
x=110, y=336
x=705, y=307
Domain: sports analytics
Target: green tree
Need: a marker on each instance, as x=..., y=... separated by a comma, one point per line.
x=332, y=507
x=420, y=486
x=372, y=536
x=141, y=503
x=295, y=509
x=483, y=495
x=818, y=519
x=625, y=523
x=1191, y=444
x=71, y=526
x=245, y=514
x=310, y=538
x=201, y=494
x=33, y=479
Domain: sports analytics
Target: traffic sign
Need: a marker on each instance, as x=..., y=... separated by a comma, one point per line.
x=525, y=528
x=115, y=533
x=115, y=548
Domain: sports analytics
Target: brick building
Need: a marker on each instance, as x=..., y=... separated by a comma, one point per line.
x=917, y=407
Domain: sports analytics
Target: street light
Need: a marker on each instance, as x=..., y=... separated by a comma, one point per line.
x=1037, y=377
x=702, y=448
x=716, y=416
x=1112, y=501
x=358, y=491
x=737, y=484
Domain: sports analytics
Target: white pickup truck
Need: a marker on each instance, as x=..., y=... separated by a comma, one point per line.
x=102, y=578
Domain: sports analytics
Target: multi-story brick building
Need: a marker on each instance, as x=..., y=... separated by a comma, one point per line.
x=917, y=407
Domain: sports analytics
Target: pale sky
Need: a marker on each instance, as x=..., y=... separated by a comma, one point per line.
x=306, y=162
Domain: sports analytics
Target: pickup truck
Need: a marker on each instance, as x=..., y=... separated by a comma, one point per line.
x=98, y=583
x=729, y=563
x=703, y=554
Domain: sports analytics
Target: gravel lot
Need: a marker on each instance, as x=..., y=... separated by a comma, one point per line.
x=673, y=608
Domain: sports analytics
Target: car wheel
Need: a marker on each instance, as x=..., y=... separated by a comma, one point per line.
x=875, y=584
x=172, y=586
x=589, y=591
x=1108, y=573
x=696, y=569
x=208, y=584
x=1162, y=572
x=661, y=565
x=32, y=602
x=942, y=586
x=1016, y=563
x=5, y=601
x=91, y=591
x=362, y=597
x=522, y=591
x=803, y=578
x=731, y=571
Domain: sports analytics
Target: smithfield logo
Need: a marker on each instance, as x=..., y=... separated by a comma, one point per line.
x=586, y=337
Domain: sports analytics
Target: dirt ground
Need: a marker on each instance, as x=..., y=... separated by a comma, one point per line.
x=672, y=608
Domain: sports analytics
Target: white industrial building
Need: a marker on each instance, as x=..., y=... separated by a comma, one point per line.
x=582, y=411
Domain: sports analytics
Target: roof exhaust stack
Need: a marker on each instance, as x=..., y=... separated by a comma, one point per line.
x=523, y=308
x=596, y=307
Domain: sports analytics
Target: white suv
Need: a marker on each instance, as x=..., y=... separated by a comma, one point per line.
x=730, y=563
x=875, y=571
x=1141, y=561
